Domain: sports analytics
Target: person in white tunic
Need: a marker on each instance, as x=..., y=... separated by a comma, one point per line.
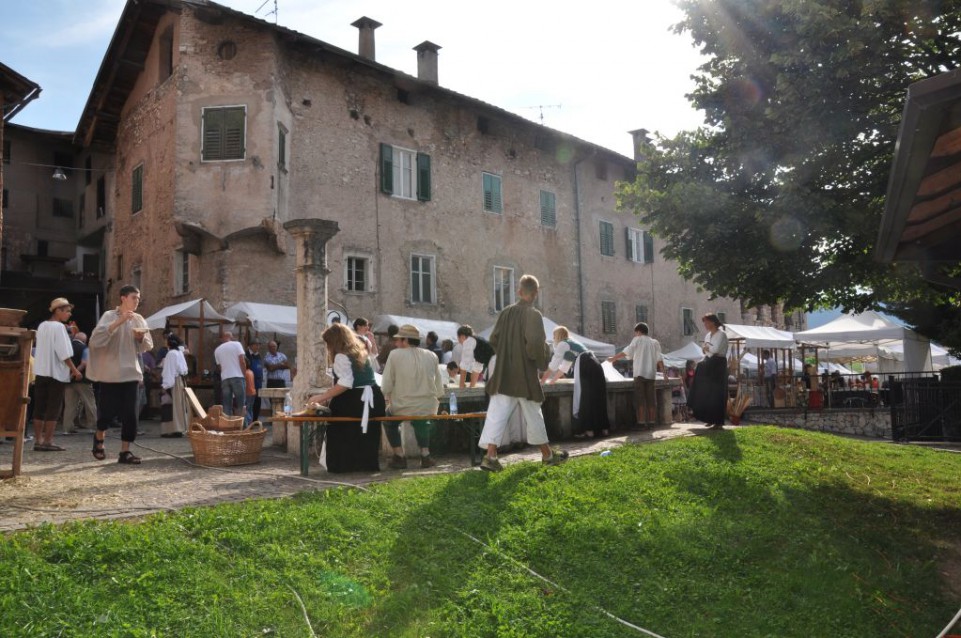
x=174, y=423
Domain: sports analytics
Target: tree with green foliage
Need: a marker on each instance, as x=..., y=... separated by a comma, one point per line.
x=779, y=197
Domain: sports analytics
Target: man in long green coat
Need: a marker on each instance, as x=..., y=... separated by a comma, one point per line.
x=521, y=348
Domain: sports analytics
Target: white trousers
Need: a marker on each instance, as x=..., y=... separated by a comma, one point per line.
x=499, y=412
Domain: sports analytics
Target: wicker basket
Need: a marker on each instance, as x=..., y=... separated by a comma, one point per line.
x=218, y=421
x=219, y=449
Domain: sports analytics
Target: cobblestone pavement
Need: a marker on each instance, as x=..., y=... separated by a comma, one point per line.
x=56, y=487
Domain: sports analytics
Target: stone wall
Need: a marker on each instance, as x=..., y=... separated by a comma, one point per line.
x=856, y=422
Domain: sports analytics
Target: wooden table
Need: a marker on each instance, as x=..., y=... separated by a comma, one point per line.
x=310, y=425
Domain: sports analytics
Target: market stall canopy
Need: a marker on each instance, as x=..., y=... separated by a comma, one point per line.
x=444, y=329
x=599, y=348
x=678, y=358
x=189, y=314
x=749, y=362
x=760, y=336
x=265, y=317
x=869, y=334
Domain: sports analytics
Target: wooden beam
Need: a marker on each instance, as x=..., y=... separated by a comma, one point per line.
x=947, y=144
x=924, y=231
x=940, y=182
x=931, y=209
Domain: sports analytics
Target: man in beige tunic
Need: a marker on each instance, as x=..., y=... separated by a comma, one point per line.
x=412, y=384
x=120, y=336
x=521, y=347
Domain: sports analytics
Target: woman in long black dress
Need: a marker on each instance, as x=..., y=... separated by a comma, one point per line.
x=708, y=395
x=355, y=446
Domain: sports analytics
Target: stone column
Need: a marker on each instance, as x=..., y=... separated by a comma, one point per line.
x=310, y=243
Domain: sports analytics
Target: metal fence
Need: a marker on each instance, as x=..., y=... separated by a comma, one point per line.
x=925, y=409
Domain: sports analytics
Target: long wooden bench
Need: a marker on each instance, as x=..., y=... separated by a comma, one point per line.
x=309, y=425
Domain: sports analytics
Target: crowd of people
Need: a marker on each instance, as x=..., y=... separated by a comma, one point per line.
x=515, y=362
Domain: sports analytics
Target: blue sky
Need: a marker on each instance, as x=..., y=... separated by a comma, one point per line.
x=598, y=73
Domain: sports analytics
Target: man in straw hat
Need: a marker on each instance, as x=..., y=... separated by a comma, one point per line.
x=54, y=368
x=521, y=347
x=120, y=336
x=412, y=383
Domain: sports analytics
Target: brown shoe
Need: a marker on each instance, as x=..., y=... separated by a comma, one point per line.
x=427, y=461
x=397, y=463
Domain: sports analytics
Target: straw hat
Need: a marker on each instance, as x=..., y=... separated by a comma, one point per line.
x=408, y=331
x=60, y=302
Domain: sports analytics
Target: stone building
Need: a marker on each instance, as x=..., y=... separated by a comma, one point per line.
x=221, y=127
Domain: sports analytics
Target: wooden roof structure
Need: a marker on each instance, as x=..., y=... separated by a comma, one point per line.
x=922, y=216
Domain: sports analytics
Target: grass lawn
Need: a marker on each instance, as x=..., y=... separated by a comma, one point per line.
x=758, y=532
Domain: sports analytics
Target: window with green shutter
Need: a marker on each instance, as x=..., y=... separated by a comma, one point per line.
x=224, y=131
x=136, y=190
x=281, y=147
x=607, y=238
x=548, y=210
x=423, y=177
x=608, y=317
x=404, y=173
x=648, y=248
x=640, y=313
x=688, y=326
x=492, y=193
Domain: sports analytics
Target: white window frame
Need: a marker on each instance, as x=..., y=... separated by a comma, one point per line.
x=368, y=272
x=404, y=166
x=504, y=289
x=181, y=272
x=431, y=273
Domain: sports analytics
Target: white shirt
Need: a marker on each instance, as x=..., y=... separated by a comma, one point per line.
x=53, y=348
x=645, y=353
x=344, y=370
x=174, y=365
x=557, y=361
x=467, y=353
x=715, y=344
x=770, y=367
x=228, y=356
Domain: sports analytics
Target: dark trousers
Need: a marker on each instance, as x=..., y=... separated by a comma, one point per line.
x=276, y=383
x=118, y=401
x=256, y=408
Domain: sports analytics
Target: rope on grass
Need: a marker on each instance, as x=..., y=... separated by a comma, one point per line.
x=555, y=585
x=303, y=608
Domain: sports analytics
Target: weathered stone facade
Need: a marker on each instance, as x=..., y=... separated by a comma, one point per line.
x=315, y=121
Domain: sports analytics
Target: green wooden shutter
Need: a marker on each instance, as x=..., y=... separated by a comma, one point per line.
x=136, y=190
x=213, y=135
x=548, y=209
x=492, y=193
x=423, y=177
x=648, y=248
x=629, y=244
x=234, y=124
x=386, y=169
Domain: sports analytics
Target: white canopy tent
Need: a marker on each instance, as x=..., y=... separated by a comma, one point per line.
x=189, y=314
x=678, y=358
x=599, y=348
x=760, y=336
x=264, y=317
x=870, y=335
x=444, y=329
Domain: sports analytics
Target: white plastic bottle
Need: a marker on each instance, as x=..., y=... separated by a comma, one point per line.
x=453, y=403
x=288, y=404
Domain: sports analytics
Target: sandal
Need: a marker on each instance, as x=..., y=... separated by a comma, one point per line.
x=98, y=452
x=127, y=458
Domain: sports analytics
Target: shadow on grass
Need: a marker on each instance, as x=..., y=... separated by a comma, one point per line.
x=431, y=559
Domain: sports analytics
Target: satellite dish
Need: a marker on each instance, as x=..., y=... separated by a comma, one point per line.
x=336, y=316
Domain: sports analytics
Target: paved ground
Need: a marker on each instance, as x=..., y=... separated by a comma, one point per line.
x=56, y=487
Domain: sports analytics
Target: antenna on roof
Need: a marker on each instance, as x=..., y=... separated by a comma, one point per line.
x=269, y=13
x=541, y=108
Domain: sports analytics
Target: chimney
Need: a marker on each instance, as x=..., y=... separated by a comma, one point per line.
x=641, y=138
x=427, y=61
x=366, y=27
